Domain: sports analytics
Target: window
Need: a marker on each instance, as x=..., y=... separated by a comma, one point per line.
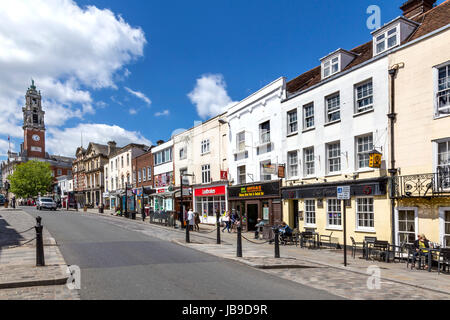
x=443, y=165
x=121, y=162
x=364, y=97
x=265, y=167
x=144, y=174
x=446, y=235
x=364, y=213
x=364, y=145
x=134, y=176
x=292, y=121
x=308, y=161
x=292, y=164
x=334, y=213
x=241, y=175
x=386, y=40
x=149, y=173
x=443, y=94
x=205, y=146
x=128, y=159
x=206, y=174
x=264, y=132
x=163, y=156
x=406, y=226
x=308, y=116
x=330, y=67
x=59, y=172
x=183, y=173
x=240, y=141
x=183, y=153
x=333, y=106
x=334, y=157
x=112, y=165
x=310, y=212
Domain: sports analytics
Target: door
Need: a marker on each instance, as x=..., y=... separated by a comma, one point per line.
x=252, y=216
x=406, y=225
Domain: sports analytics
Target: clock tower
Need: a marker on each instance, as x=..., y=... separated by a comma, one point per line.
x=33, y=124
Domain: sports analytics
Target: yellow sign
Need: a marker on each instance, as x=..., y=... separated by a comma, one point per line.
x=375, y=159
x=253, y=191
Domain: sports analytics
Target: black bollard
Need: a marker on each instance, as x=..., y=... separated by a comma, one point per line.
x=239, y=242
x=40, y=261
x=218, y=228
x=188, y=240
x=277, y=242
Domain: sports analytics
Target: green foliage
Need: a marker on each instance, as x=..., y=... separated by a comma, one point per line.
x=30, y=178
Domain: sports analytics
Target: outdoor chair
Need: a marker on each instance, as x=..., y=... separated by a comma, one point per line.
x=325, y=238
x=356, y=246
x=444, y=259
x=399, y=252
x=306, y=237
x=379, y=249
x=421, y=258
x=368, y=242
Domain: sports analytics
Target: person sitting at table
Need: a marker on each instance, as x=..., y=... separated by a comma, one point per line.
x=421, y=244
x=285, y=230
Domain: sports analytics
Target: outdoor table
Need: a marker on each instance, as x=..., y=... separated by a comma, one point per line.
x=315, y=237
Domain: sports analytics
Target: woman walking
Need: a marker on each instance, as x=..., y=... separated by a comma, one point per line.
x=226, y=219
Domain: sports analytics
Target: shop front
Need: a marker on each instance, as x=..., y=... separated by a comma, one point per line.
x=163, y=199
x=256, y=201
x=316, y=207
x=208, y=201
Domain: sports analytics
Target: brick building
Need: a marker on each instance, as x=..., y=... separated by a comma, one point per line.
x=142, y=167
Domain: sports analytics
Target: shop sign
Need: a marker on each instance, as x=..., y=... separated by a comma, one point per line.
x=213, y=191
x=253, y=191
x=264, y=189
x=161, y=190
x=223, y=175
x=281, y=171
x=269, y=168
x=375, y=159
x=343, y=193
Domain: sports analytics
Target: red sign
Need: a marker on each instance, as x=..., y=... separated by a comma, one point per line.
x=161, y=190
x=223, y=175
x=213, y=191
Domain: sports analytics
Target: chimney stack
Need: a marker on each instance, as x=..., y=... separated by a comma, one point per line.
x=413, y=8
x=159, y=142
x=111, y=147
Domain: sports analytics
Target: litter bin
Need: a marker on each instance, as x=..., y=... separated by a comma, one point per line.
x=100, y=209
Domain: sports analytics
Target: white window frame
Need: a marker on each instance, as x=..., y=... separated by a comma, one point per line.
x=206, y=173
x=365, y=153
x=240, y=144
x=442, y=88
x=332, y=108
x=239, y=175
x=205, y=146
x=263, y=176
x=291, y=124
x=416, y=221
x=264, y=135
x=306, y=162
x=182, y=153
x=306, y=116
x=442, y=233
x=293, y=164
x=144, y=174
x=366, y=95
x=338, y=157
x=357, y=211
x=149, y=173
x=331, y=66
x=383, y=38
x=339, y=203
x=307, y=212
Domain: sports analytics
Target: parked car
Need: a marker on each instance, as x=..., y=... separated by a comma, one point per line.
x=2, y=199
x=45, y=203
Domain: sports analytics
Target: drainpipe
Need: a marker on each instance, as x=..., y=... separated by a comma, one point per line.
x=392, y=171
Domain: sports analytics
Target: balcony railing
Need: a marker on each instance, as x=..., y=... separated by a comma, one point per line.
x=421, y=185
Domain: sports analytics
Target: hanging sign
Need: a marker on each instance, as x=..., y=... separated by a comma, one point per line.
x=375, y=159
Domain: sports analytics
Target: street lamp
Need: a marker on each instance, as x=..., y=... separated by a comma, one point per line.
x=181, y=206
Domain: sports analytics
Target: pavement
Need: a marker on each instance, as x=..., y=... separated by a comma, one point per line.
x=318, y=268
x=19, y=276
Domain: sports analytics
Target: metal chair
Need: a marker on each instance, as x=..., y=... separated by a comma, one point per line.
x=306, y=236
x=325, y=238
x=368, y=241
x=355, y=246
x=398, y=252
x=411, y=251
x=444, y=259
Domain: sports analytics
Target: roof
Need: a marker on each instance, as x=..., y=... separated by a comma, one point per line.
x=430, y=21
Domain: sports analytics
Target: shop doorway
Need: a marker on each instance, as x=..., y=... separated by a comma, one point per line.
x=252, y=216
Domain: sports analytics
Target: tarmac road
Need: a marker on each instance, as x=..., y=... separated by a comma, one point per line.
x=118, y=263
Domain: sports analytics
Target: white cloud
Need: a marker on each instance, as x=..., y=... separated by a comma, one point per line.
x=68, y=50
x=133, y=111
x=139, y=95
x=163, y=113
x=4, y=147
x=210, y=95
x=66, y=141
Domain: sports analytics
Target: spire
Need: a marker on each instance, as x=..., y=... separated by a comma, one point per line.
x=32, y=84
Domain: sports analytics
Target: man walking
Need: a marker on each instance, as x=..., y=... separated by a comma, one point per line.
x=190, y=220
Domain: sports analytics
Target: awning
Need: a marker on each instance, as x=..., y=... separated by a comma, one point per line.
x=167, y=194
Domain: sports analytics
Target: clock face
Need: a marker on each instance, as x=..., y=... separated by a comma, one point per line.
x=36, y=137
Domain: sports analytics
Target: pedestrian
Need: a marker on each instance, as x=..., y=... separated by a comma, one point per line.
x=197, y=221
x=190, y=219
x=234, y=221
x=14, y=202
x=226, y=219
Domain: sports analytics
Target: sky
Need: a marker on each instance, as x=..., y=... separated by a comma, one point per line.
x=138, y=71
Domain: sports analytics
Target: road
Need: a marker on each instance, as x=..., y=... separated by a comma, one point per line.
x=118, y=263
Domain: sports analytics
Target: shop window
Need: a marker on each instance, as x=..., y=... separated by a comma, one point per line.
x=334, y=219
x=310, y=212
x=364, y=213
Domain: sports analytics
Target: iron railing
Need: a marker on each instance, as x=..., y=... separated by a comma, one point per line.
x=421, y=185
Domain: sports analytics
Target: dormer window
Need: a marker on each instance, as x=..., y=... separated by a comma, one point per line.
x=336, y=62
x=392, y=34
x=387, y=40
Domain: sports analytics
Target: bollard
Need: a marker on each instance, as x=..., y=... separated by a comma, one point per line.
x=277, y=242
x=133, y=215
x=40, y=261
x=218, y=227
x=187, y=231
x=239, y=241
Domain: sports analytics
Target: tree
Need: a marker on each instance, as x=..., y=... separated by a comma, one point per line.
x=31, y=178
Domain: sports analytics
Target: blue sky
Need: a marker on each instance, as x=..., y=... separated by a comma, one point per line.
x=233, y=47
